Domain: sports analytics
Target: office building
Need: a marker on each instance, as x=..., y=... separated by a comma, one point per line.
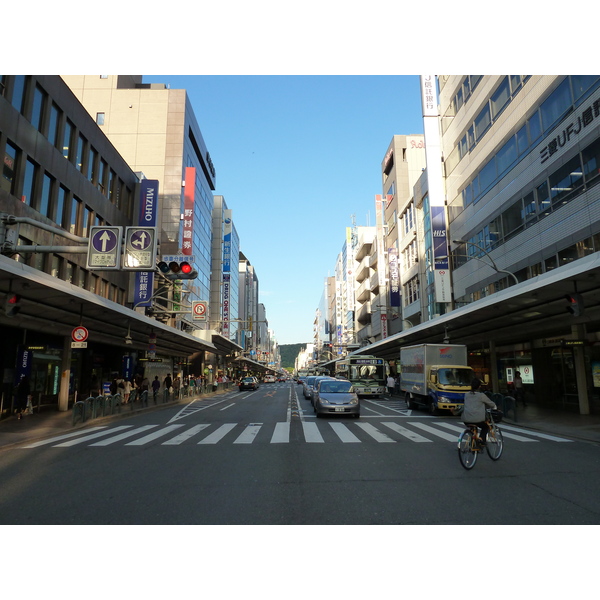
x=61, y=177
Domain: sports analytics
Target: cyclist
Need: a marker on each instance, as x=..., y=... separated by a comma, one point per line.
x=474, y=411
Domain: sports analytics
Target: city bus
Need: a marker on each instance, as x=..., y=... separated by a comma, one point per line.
x=368, y=374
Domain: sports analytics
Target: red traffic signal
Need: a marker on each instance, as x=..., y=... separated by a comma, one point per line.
x=12, y=305
x=177, y=270
x=575, y=304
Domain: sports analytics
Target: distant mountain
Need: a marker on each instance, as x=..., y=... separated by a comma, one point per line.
x=289, y=353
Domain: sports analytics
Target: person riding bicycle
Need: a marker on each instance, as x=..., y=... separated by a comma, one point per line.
x=474, y=411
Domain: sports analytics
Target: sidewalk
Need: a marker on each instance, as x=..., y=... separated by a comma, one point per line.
x=50, y=423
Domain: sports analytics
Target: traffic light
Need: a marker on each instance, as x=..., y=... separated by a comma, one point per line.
x=575, y=304
x=177, y=270
x=12, y=305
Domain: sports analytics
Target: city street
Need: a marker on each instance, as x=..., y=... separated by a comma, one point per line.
x=261, y=457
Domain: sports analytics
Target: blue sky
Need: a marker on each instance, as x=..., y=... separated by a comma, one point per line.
x=296, y=156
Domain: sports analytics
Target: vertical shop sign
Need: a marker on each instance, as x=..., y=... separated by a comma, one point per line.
x=227, y=232
x=394, y=277
x=144, y=280
x=188, y=210
x=440, y=254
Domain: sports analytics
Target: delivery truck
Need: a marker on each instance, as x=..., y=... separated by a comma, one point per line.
x=435, y=376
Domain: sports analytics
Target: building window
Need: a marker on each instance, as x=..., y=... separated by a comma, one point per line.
x=74, y=218
x=9, y=168
x=91, y=167
x=67, y=139
x=53, y=124
x=46, y=195
x=60, y=206
x=37, y=111
x=18, y=92
x=29, y=182
x=100, y=118
x=80, y=151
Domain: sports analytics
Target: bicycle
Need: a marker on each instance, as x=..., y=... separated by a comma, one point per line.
x=469, y=441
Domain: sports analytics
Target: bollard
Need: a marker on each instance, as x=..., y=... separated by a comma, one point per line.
x=115, y=401
x=79, y=411
x=144, y=398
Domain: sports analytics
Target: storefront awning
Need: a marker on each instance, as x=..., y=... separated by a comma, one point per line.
x=56, y=307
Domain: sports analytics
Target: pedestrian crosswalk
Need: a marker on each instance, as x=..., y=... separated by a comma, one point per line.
x=326, y=431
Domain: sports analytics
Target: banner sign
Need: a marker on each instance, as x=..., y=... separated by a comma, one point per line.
x=188, y=210
x=440, y=254
x=394, y=277
x=144, y=280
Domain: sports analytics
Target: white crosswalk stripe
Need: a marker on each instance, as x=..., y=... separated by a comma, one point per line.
x=330, y=431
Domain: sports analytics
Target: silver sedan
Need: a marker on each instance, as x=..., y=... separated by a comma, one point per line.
x=336, y=397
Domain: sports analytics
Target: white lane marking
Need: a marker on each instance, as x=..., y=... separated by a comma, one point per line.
x=344, y=433
x=544, y=436
x=118, y=438
x=190, y=409
x=281, y=435
x=217, y=435
x=249, y=434
x=411, y=435
x=152, y=436
x=375, y=433
x=186, y=435
x=373, y=411
x=512, y=436
x=91, y=437
x=226, y=407
x=437, y=432
x=62, y=437
x=311, y=433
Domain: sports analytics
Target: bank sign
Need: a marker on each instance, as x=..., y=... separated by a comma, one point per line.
x=144, y=280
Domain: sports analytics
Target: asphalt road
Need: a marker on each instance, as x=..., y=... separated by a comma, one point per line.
x=263, y=458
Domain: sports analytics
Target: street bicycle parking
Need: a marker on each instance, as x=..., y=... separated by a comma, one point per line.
x=470, y=443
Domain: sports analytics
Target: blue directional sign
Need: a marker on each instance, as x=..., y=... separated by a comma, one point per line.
x=104, y=248
x=140, y=249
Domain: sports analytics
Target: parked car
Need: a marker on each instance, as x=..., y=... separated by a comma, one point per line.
x=248, y=383
x=269, y=379
x=336, y=397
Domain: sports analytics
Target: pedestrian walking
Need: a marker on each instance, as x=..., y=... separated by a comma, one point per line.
x=519, y=391
x=391, y=384
x=176, y=386
x=22, y=395
x=126, y=390
x=168, y=384
x=155, y=387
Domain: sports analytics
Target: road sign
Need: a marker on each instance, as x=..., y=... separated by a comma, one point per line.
x=79, y=334
x=140, y=249
x=199, y=310
x=104, y=248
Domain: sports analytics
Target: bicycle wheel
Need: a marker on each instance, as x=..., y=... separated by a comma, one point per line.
x=466, y=453
x=495, y=443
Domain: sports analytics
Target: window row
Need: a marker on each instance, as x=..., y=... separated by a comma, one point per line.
x=462, y=95
x=561, y=101
x=563, y=257
x=561, y=186
x=47, y=117
x=44, y=193
x=410, y=291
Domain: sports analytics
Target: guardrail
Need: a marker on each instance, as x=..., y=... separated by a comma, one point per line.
x=96, y=406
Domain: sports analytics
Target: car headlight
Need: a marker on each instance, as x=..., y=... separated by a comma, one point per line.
x=354, y=400
x=323, y=400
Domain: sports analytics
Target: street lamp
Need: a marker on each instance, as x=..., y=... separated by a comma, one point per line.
x=493, y=265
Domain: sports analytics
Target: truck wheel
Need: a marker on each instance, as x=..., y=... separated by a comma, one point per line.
x=409, y=403
x=432, y=408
